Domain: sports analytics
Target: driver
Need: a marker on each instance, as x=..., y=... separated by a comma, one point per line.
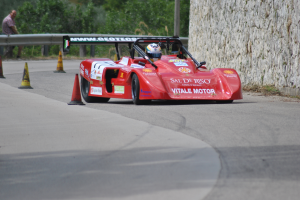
x=154, y=52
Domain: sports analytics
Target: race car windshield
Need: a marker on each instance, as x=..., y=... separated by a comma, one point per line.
x=155, y=55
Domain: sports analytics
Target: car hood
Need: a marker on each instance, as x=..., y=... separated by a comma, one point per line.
x=182, y=80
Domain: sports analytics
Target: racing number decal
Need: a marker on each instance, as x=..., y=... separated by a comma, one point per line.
x=99, y=66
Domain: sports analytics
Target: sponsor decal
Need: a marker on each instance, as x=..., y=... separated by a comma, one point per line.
x=67, y=43
x=184, y=70
x=119, y=89
x=96, y=90
x=86, y=73
x=177, y=60
x=149, y=74
x=136, y=66
x=179, y=64
x=147, y=70
x=229, y=74
x=177, y=91
x=102, y=39
x=81, y=72
x=145, y=93
x=122, y=74
x=190, y=81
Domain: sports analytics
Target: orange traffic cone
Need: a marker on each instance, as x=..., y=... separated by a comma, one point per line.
x=1, y=70
x=60, y=67
x=76, y=96
x=25, y=80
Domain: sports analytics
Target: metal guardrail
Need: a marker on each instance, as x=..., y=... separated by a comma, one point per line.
x=56, y=39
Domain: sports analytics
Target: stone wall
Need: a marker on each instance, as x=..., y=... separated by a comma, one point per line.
x=258, y=38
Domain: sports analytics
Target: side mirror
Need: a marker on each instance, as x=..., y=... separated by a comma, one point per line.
x=202, y=63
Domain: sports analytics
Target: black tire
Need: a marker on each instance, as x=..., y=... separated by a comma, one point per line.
x=224, y=101
x=85, y=89
x=135, y=91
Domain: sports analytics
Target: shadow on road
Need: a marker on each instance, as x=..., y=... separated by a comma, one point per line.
x=94, y=174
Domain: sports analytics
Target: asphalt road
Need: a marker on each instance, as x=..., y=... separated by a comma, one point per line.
x=257, y=138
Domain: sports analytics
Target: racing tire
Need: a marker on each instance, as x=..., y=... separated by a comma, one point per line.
x=135, y=91
x=85, y=89
x=224, y=101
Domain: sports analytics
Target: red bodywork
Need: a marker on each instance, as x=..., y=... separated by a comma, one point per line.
x=174, y=79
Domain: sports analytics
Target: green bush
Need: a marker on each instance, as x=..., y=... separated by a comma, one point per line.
x=134, y=17
x=151, y=17
x=55, y=16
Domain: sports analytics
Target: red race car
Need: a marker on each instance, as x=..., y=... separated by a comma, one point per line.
x=151, y=75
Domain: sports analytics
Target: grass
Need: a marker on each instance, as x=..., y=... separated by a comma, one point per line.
x=266, y=90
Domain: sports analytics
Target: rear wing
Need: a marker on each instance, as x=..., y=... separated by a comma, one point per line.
x=68, y=41
x=135, y=41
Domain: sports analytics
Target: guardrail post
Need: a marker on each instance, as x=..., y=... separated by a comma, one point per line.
x=45, y=50
x=92, y=52
x=82, y=51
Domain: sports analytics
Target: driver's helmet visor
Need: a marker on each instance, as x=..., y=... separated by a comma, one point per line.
x=155, y=55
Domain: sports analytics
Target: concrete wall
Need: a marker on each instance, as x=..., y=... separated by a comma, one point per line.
x=258, y=38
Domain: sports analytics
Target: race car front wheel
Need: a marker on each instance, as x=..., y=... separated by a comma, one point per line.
x=85, y=89
x=135, y=91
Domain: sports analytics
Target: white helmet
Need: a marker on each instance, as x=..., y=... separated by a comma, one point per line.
x=153, y=51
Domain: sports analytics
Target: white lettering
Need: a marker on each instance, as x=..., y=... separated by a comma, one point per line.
x=196, y=81
x=175, y=80
x=91, y=39
x=202, y=81
x=187, y=80
x=190, y=91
